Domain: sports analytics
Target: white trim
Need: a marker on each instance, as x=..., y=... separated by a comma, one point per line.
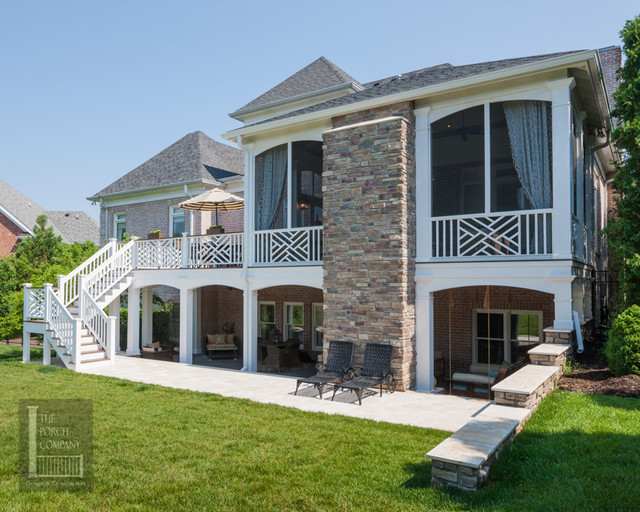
x=15, y=220
x=314, y=305
x=173, y=214
x=136, y=192
x=285, y=331
x=116, y=220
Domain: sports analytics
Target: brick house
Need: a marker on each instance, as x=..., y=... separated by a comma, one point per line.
x=452, y=209
x=18, y=216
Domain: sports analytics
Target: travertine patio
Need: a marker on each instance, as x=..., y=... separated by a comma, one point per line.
x=437, y=411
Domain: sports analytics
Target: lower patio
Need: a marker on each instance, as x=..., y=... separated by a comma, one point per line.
x=426, y=410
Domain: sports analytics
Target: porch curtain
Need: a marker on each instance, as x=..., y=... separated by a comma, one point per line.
x=273, y=181
x=529, y=128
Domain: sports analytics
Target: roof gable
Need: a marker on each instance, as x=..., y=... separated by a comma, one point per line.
x=319, y=75
x=184, y=160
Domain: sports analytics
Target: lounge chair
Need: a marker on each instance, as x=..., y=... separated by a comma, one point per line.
x=375, y=371
x=335, y=369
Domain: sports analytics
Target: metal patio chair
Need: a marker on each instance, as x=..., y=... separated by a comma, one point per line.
x=336, y=368
x=375, y=371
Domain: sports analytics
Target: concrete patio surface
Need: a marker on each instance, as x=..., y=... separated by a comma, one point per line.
x=437, y=411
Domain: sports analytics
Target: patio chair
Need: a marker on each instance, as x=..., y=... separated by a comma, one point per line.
x=375, y=371
x=335, y=369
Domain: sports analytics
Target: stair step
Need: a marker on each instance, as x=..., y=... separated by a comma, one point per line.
x=87, y=352
x=94, y=360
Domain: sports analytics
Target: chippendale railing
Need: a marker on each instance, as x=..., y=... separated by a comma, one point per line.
x=215, y=250
x=522, y=233
x=289, y=246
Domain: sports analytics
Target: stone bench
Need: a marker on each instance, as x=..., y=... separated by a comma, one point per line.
x=463, y=460
x=549, y=354
x=527, y=387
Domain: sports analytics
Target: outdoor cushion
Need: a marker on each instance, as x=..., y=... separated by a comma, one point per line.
x=223, y=346
x=217, y=339
x=229, y=340
x=472, y=378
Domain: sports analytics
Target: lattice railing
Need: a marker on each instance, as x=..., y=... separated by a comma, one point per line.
x=525, y=233
x=284, y=246
x=215, y=250
x=163, y=253
x=34, y=303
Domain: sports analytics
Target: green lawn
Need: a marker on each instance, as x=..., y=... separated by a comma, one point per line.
x=165, y=449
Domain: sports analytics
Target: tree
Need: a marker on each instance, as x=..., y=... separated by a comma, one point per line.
x=624, y=231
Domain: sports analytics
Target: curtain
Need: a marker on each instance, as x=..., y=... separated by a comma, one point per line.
x=529, y=128
x=273, y=182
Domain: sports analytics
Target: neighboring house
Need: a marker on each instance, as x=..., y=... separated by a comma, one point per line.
x=18, y=216
x=453, y=209
x=146, y=199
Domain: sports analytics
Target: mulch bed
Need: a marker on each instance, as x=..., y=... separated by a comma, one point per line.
x=598, y=380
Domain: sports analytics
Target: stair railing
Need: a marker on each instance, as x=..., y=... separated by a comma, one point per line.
x=102, y=326
x=103, y=278
x=66, y=329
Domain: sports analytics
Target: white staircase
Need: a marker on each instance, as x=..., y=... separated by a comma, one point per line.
x=76, y=325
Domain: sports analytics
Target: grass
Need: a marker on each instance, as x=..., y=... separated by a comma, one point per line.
x=163, y=449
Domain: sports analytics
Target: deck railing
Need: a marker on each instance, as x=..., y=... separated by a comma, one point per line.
x=289, y=246
x=517, y=234
x=215, y=250
x=34, y=308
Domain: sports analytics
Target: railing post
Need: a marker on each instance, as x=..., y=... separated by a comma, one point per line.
x=48, y=290
x=26, y=309
x=76, y=349
x=134, y=254
x=81, y=299
x=185, y=251
x=61, y=288
x=111, y=338
x=113, y=245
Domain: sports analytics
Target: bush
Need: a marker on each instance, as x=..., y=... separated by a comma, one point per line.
x=623, y=346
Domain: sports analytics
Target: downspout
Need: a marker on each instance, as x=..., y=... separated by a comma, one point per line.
x=245, y=273
x=576, y=325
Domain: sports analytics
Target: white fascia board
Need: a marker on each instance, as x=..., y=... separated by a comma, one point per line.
x=15, y=220
x=150, y=189
x=155, y=194
x=504, y=74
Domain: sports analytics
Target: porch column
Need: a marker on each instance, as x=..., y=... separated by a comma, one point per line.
x=114, y=310
x=133, y=323
x=186, y=326
x=197, y=346
x=250, y=331
x=563, y=302
x=424, y=338
x=578, y=298
x=147, y=315
x=46, y=350
x=26, y=346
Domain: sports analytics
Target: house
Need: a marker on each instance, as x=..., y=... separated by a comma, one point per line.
x=18, y=215
x=452, y=210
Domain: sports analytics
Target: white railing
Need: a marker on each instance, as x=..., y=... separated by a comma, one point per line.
x=522, y=233
x=102, y=279
x=101, y=325
x=162, y=253
x=214, y=250
x=64, y=326
x=286, y=246
x=68, y=286
x=33, y=303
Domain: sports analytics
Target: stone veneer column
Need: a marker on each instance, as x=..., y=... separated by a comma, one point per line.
x=369, y=233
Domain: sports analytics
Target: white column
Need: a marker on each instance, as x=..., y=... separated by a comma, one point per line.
x=114, y=310
x=424, y=338
x=26, y=316
x=186, y=326
x=197, y=346
x=26, y=346
x=133, y=323
x=147, y=315
x=423, y=184
x=578, y=298
x=562, y=162
x=250, y=331
x=563, y=303
x=46, y=350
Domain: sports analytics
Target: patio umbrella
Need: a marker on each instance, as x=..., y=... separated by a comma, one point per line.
x=213, y=200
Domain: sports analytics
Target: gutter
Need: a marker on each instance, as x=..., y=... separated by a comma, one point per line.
x=545, y=65
x=149, y=189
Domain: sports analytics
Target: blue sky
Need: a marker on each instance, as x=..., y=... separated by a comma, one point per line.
x=91, y=89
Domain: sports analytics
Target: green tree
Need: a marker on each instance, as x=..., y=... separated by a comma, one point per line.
x=624, y=231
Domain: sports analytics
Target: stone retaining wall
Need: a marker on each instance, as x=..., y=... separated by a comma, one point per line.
x=528, y=400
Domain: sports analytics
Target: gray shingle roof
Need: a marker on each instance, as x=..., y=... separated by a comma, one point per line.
x=194, y=157
x=320, y=74
x=77, y=227
x=416, y=80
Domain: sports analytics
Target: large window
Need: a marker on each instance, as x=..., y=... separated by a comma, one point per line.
x=289, y=190
x=120, y=226
x=267, y=315
x=517, y=174
x=176, y=221
x=505, y=335
x=294, y=321
x=318, y=321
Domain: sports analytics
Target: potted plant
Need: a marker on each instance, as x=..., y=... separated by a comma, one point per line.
x=215, y=230
x=155, y=235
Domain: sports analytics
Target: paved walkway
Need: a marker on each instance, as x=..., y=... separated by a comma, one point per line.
x=425, y=410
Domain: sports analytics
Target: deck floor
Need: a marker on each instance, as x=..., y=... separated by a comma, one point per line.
x=438, y=411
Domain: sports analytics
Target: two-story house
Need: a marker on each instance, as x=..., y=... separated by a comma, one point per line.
x=453, y=209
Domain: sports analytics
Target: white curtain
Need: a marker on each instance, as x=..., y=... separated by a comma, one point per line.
x=529, y=127
x=273, y=181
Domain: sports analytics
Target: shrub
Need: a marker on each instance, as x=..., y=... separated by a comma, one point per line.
x=623, y=346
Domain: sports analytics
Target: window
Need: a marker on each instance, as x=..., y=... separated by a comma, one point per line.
x=506, y=336
x=267, y=316
x=293, y=321
x=517, y=174
x=176, y=221
x=288, y=186
x=318, y=320
x=120, y=226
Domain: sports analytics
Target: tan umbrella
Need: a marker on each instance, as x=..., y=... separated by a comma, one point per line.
x=213, y=200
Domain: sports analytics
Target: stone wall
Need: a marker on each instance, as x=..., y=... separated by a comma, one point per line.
x=369, y=233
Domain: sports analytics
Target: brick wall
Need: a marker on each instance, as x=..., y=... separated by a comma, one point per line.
x=369, y=233
x=611, y=61
x=9, y=233
x=465, y=300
